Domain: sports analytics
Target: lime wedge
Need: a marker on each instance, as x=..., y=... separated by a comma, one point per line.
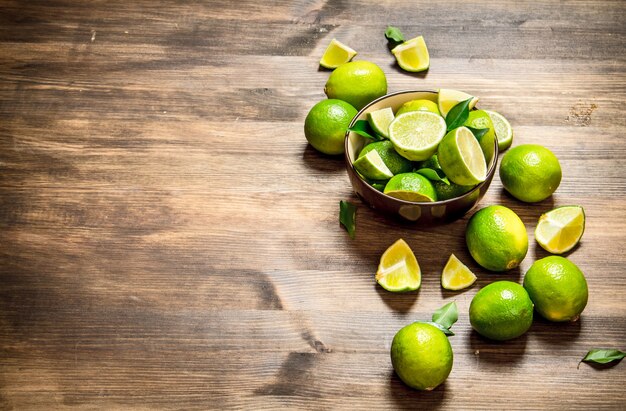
x=336, y=54
x=398, y=270
x=412, y=55
x=456, y=275
x=559, y=230
x=462, y=158
x=449, y=98
x=372, y=166
x=411, y=187
x=380, y=120
x=504, y=131
x=415, y=135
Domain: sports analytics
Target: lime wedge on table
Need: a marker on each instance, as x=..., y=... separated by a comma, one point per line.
x=559, y=230
x=398, y=269
x=416, y=134
x=372, y=166
x=449, y=98
x=411, y=187
x=456, y=275
x=336, y=54
x=380, y=120
x=462, y=158
x=412, y=55
x=504, y=131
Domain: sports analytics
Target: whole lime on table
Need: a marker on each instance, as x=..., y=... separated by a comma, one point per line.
x=356, y=82
x=326, y=124
x=421, y=355
x=501, y=311
x=496, y=238
x=530, y=172
x=557, y=287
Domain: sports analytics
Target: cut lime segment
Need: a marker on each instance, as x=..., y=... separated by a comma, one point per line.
x=462, y=158
x=372, y=166
x=336, y=54
x=449, y=98
x=380, y=120
x=398, y=270
x=416, y=134
x=559, y=230
x=456, y=275
x=396, y=163
x=504, y=131
x=411, y=187
x=412, y=55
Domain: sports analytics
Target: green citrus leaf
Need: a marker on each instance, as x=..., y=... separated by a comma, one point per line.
x=445, y=330
x=347, y=216
x=603, y=356
x=446, y=315
x=458, y=114
x=394, y=36
x=363, y=128
x=433, y=175
x=478, y=132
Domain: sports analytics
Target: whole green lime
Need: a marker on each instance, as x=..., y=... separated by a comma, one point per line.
x=501, y=311
x=530, y=172
x=421, y=355
x=357, y=82
x=418, y=105
x=394, y=161
x=496, y=238
x=326, y=124
x=411, y=187
x=557, y=287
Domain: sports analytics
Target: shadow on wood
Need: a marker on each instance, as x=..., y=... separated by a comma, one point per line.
x=406, y=398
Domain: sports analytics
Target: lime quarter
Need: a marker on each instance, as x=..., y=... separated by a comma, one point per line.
x=448, y=98
x=399, y=270
x=456, y=275
x=336, y=54
x=372, y=166
x=559, y=230
x=380, y=120
x=412, y=55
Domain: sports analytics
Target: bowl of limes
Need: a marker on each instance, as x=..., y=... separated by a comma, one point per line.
x=424, y=156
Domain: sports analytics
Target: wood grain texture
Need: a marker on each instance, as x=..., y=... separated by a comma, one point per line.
x=169, y=241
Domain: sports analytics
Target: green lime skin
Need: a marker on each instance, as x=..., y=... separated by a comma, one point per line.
x=418, y=105
x=357, y=82
x=421, y=355
x=447, y=191
x=496, y=238
x=394, y=161
x=501, y=311
x=530, y=172
x=557, y=287
x=326, y=124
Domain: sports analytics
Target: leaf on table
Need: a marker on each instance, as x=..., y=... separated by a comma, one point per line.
x=394, y=36
x=347, y=216
x=363, y=128
x=447, y=315
x=603, y=355
x=458, y=114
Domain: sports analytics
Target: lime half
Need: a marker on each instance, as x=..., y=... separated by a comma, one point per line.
x=398, y=270
x=504, y=131
x=416, y=134
x=372, y=166
x=380, y=120
x=336, y=54
x=559, y=230
x=411, y=187
x=456, y=275
x=412, y=55
x=462, y=158
x=449, y=98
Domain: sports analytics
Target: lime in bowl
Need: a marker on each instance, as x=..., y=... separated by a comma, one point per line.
x=402, y=175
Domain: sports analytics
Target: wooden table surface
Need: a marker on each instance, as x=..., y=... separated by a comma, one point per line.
x=169, y=241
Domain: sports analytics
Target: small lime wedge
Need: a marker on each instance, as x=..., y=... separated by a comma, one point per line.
x=504, y=131
x=461, y=157
x=412, y=55
x=411, y=187
x=380, y=120
x=456, y=275
x=399, y=270
x=415, y=135
x=372, y=166
x=449, y=98
x=560, y=229
x=336, y=54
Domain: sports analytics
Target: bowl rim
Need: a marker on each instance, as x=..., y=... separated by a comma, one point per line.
x=349, y=163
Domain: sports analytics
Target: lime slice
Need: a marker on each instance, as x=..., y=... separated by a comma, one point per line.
x=411, y=187
x=372, y=166
x=380, y=120
x=415, y=135
x=462, y=158
x=559, y=230
x=398, y=270
x=449, y=98
x=504, y=131
x=456, y=275
x=336, y=54
x=412, y=55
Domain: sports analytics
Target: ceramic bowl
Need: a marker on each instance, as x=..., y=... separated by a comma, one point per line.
x=414, y=212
